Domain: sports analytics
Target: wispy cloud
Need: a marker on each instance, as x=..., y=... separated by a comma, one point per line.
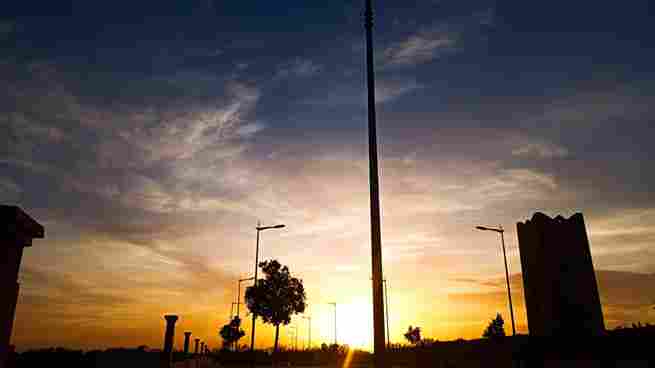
x=299, y=67
x=419, y=48
x=540, y=150
x=622, y=239
x=390, y=89
x=386, y=90
x=431, y=42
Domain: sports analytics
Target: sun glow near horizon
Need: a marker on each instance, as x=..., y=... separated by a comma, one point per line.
x=354, y=323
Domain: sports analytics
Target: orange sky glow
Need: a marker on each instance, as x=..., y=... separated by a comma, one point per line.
x=149, y=147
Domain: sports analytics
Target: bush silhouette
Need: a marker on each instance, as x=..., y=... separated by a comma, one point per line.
x=231, y=332
x=495, y=329
x=413, y=335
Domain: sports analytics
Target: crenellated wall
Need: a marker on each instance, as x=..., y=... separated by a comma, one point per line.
x=561, y=293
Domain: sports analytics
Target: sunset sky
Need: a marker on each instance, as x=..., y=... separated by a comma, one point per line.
x=150, y=137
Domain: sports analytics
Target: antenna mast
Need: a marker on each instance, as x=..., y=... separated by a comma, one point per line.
x=376, y=239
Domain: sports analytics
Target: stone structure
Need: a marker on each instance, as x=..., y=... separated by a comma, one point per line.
x=167, y=354
x=202, y=347
x=17, y=229
x=197, y=344
x=561, y=294
x=187, y=337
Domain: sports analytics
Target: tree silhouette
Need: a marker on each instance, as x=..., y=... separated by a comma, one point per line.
x=276, y=297
x=495, y=329
x=231, y=332
x=413, y=335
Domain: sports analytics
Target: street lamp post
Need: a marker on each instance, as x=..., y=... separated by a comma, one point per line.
x=386, y=312
x=295, y=336
x=501, y=231
x=309, y=331
x=238, y=303
x=239, y=292
x=293, y=339
x=259, y=228
x=334, y=304
x=232, y=310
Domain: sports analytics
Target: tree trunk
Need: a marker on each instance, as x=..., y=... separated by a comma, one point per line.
x=277, y=335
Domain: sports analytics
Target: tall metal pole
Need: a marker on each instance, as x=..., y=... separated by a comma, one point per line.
x=254, y=316
x=509, y=292
x=238, y=302
x=232, y=310
x=376, y=238
x=309, y=328
x=309, y=343
x=501, y=231
x=386, y=312
x=239, y=293
x=238, y=297
x=293, y=339
x=335, y=322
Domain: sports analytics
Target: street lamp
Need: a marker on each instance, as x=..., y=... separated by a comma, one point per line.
x=238, y=303
x=259, y=229
x=309, y=331
x=294, y=338
x=501, y=231
x=239, y=292
x=334, y=304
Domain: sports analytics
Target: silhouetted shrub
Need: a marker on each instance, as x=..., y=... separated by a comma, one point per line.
x=495, y=329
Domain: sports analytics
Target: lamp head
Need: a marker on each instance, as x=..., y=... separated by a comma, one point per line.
x=260, y=228
x=498, y=230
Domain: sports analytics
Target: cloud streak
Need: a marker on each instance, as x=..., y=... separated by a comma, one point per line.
x=420, y=48
x=391, y=89
x=299, y=68
x=540, y=150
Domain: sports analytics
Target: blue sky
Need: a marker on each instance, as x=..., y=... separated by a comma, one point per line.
x=149, y=138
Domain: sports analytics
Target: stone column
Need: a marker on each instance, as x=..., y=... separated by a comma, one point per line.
x=168, y=338
x=202, y=347
x=187, y=337
x=197, y=343
x=560, y=287
x=17, y=229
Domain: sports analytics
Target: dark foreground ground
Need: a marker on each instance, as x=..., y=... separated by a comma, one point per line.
x=622, y=349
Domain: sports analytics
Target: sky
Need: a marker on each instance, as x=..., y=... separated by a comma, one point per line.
x=150, y=138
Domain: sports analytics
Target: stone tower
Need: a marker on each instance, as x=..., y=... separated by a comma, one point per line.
x=561, y=294
x=17, y=229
